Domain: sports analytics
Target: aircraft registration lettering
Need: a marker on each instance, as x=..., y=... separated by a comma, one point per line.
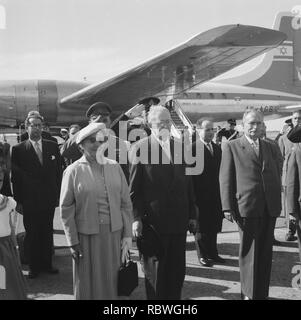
x=264, y=109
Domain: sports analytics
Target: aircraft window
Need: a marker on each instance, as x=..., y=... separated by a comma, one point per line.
x=211, y=95
x=224, y=95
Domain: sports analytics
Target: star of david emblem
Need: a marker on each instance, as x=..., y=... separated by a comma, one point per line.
x=283, y=51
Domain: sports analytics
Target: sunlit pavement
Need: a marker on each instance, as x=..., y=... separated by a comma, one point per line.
x=220, y=282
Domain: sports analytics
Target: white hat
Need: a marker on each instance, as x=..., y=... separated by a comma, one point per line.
x=87, y=131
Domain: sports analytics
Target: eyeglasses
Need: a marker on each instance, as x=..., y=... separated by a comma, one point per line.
x=94, y=139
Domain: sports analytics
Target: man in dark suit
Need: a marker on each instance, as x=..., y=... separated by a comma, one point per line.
x=294, y=190
x=286, y=148
x=36, y=179
x=162, y=197
x=207, y=194
x=251, y=195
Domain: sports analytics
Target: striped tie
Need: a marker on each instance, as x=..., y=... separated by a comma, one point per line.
x=39, y=152
x=210, y=148
x=256, y=148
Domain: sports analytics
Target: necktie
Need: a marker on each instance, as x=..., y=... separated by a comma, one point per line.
x=39, y=152
x=256, y=148
x=210, y=148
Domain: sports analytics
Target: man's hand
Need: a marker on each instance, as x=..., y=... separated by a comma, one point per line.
x=136, y=111
x=229, y=215
x=293, y=217
x=137, y=228
x=76, y=252
x=19, y=208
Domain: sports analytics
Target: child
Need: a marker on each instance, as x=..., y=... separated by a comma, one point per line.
x=12, y=282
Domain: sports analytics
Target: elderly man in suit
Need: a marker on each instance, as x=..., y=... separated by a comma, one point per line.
x=251, y=195
x=294, y=190
x=36, y=179
x=207, y=194
x=162, y=196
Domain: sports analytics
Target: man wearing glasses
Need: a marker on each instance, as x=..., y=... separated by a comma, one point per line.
x=36, y=180
x=286, y=148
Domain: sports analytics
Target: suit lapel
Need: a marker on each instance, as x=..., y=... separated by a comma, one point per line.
x=29, y=147
x=44, y=153
x=263, y=153
x=246, y=146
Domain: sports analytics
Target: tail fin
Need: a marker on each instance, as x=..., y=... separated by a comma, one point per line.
x=280, y=69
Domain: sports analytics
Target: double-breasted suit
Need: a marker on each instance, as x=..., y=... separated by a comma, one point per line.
x=207, y=195
x=162, y=194
x=251, y=190
x=36, y=187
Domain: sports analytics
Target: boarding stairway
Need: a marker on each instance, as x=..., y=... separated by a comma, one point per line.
x=180, y=121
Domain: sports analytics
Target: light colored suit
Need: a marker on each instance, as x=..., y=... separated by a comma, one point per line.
x=79, y=210
x=251, y=188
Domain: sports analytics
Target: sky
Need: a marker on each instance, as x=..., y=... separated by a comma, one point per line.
x=98, y=39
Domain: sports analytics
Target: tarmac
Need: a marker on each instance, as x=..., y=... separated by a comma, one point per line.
x=220, y=282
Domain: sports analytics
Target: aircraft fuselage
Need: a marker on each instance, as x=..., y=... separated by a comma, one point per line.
x=216, y=100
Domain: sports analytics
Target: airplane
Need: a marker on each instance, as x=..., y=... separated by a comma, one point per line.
x=198, y=60
x=273, y=86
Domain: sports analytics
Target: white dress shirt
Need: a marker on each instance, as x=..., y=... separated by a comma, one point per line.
x=34, y=144
x=165, y=144
x=208, y=145
x=254, y=144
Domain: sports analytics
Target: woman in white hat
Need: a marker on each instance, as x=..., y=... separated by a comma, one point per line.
x=96, y=211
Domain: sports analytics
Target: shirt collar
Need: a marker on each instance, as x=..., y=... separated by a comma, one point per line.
x=34, y=142
x=205, y=143
x=161, y=141
x=252, y=141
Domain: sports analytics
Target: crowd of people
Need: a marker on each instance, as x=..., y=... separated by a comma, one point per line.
x=110, y=191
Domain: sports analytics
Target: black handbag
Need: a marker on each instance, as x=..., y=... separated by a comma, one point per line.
x=127, y=278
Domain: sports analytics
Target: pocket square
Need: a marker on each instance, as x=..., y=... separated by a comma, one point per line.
x=52, y=157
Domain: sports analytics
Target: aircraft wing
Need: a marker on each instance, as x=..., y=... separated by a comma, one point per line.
x=200, y=59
